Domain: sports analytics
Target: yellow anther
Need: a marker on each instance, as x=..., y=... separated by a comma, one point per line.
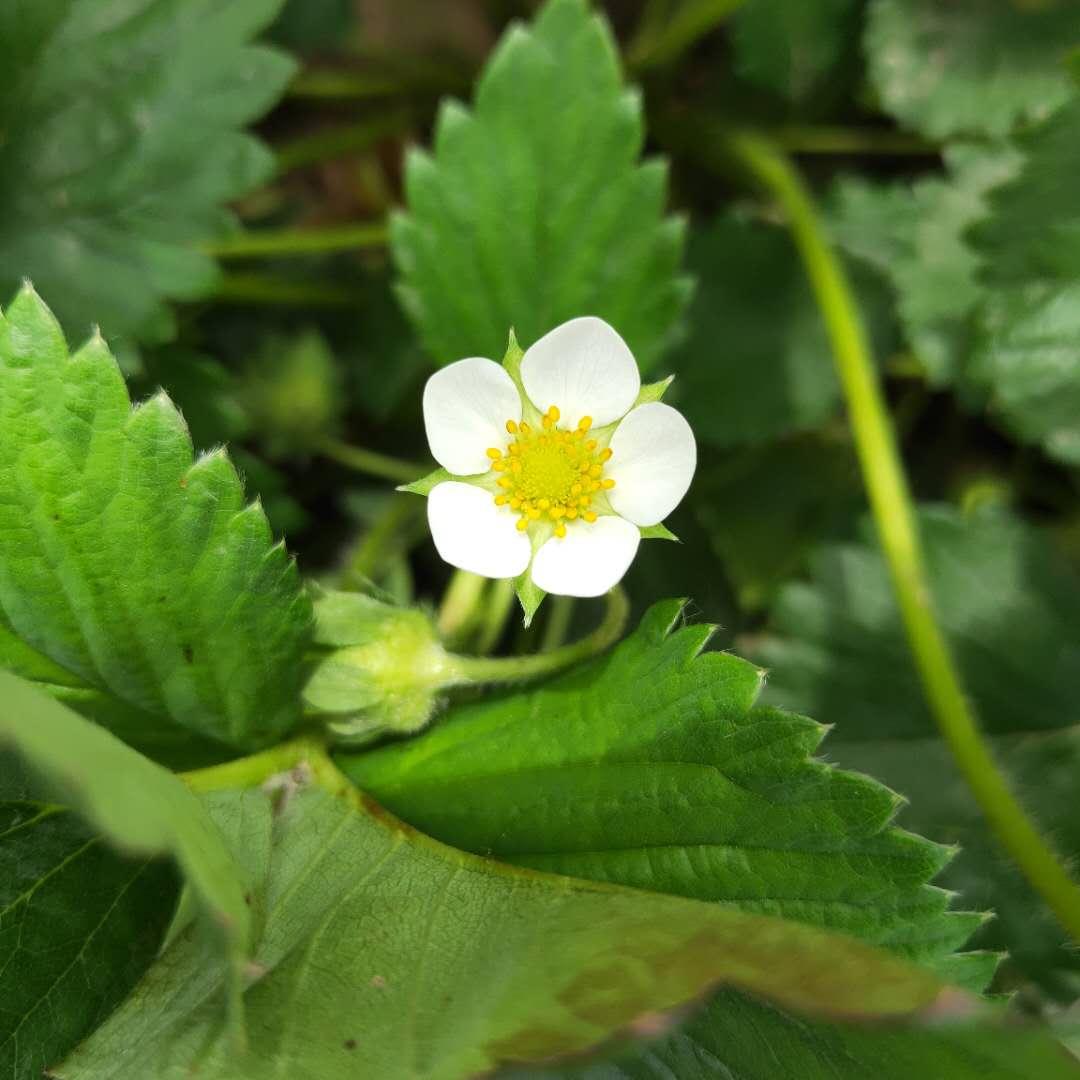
x=522, y=524
x=560, y=530
x=534, y=514
x=608, y=484
x=595, y=471
x=571, y=512
x=589, y=515
x=546, y=421
x=505, y=482
x=585, y=500
x=493, y=453
x=511, y=427
x=584, y=423
x=591, y=445
x=558, y=512
x=575, y=490
x=515, y=503
x=524, y=428
x=544, y=504
x=515, y=465
x=605, y=454
x=499, y=465
x=515, y=448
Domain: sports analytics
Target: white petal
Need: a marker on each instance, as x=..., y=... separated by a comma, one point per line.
x=653, y=457
x=584, y=368
x=466, y=406
x=474, y=534
x=589, y=560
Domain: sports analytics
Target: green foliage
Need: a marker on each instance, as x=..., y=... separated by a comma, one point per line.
x=57, y=987
x=654, y=767
x=915, y=235
x=1028, y=359
x=128, y=571
x=979, y=68
x=136, y=805
x=791, y=47
x=533, y=208
x=386, y=954
x=121, y=145
x=744, y=268
x=1011, y=606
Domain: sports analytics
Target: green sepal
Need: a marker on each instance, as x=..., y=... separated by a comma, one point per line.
x=424, y=485
x=658, y=532
x=653, y=391
x=511, y=360
x=530, y=594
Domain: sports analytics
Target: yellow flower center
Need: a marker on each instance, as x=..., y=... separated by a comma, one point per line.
x=551, y=472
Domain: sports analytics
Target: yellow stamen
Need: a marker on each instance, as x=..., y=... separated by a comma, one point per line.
x=493, y=453
x=607, y=484
x=560, y=530
x=522, y=524
x=584, y=423
x=605, y=454
x=511, y=427
x=501, y=500
x=589, y=516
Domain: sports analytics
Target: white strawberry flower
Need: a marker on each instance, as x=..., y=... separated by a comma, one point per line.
x=556, y=463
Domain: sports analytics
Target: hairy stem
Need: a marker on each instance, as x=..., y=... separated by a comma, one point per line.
x=502, y=669
x=372, y=462
x=500, y=604
x=458, y=608
x=890, y=501
x=663, y=40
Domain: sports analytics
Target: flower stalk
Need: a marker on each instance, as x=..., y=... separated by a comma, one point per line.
x=891, y=503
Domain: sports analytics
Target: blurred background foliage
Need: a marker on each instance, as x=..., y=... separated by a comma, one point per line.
x=230, y=214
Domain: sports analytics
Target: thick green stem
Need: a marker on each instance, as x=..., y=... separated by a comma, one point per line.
x=560, y=612
x=263, y=289
x=839, y=139
x=250, y=771
x=372, y=463
x=500, y=603
x=890, y=501
x=503, y=669
x=287, y=242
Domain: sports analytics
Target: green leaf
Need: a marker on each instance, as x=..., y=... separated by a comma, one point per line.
x=59, y=984
x=534, y=208
x=658, y=532
x=738, y=1038
x=387, y=954
x=946, y=69
x=654, y=767
x=122, y=146
x=1028, y=357
x=1010, y=605
x=792, y=47
x=138, y=573
x=530, y=596
x=137, y=806
x=745, y=379
x=914, y=234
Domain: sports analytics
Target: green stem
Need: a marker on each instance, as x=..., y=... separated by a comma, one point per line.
x=250, y=771
x=838, y=139
x=663, y=42
x=459, y=603
x=372, y=462
x=557, y=627
x=502, y=669
x=277, y=292
x=500, y=604
x=381, y=539
x=335, y=142
x=287, y=242
x=890, y=501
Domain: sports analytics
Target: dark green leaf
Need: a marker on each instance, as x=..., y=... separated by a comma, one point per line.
x=1011, y=607
x=978, y=67
x=128, y=571
x=120, y=147
x=534, y=208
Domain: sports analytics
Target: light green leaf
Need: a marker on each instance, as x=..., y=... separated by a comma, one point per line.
x=745, y=379
x=914, y=234
x=654, y=391
x=654, y=767
x=57, y=986
x=530, y=595
x=386, y=954
x=979, y=68
x=1011, y=607
x=136, y=573
x=791, y=47
x=137, y=806
x=534, y=208
x=122, y=146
